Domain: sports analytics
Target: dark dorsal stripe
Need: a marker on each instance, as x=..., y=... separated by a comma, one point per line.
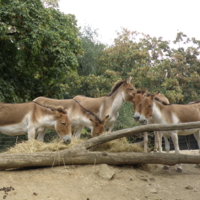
x=91, y=113
x=164, y=103
x=52, y=108
x=198, y=101
x=116, y=86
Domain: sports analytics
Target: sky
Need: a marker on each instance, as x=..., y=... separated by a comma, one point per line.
x=158, y=18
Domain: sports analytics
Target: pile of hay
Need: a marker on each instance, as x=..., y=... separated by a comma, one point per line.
x=37, y=146
x=119, y=145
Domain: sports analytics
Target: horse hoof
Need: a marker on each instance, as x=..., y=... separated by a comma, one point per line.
x=165, y=167
x=179, y=170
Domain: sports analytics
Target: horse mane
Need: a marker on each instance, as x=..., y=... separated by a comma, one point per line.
x=198, y=101
x=59, y=108
x=163, y=102
x=115, y=87
x=141, y=91
x=91, y=113
x=148, y=94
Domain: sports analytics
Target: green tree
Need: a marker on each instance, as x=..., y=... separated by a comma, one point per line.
x=39, y=46
x=88, y=62
x=155, y=65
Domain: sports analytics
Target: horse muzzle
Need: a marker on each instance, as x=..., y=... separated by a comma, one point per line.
x=142, y=120
x=136, y=117
x=67, y=139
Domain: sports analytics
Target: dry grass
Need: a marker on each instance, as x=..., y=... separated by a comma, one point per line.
x=37, y=146
x=119, y=145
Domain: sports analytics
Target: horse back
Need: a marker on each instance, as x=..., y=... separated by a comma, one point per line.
x=15, y=113
x=92, y=104
x=188, y=112
x=65, y=103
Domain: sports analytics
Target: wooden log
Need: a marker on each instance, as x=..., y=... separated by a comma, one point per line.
x=80, y=155
x=9, y=161
x=135, y=130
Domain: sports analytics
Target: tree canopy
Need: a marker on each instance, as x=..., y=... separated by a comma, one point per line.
x=44, y=53
x=39, y=46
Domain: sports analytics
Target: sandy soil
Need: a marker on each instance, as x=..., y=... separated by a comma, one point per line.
x=85, y=182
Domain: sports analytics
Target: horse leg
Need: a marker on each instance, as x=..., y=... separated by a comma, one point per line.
x=167, y=148
x=177, y=150
x=159, y=137
x=78, y=132
x=31, y=133
x=197, y=137
x=145, y=141
x=110, y=121
x=110, y=127
x=41, y=133
x=155, y=141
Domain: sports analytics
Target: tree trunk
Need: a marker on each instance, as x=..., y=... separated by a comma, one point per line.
x=135, y=130
x=9, y=161
x=79, y=154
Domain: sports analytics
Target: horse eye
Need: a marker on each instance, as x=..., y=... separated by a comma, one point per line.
x=130, y=89
x=63, y=123
x=149, y=106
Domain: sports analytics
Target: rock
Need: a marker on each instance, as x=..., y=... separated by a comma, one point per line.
x=153, y=191
x=106, y=172
x=152, y=179
x=189, y=187
x=143, y=179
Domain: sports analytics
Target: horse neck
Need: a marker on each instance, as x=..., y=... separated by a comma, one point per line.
x=117, y=99
x=49, y=118
x=157, y=112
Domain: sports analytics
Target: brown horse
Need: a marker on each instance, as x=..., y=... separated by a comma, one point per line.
x=110, y=104
x=139, y=95
x=154, y=109
x=78, y=115
x=31, y=118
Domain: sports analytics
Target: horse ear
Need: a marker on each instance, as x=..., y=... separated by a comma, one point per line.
x=128, y=80
x=154, y=95
x=106, y=117
x=56, y=112
x=94, y=122
x=146, y=90
x=134, y=93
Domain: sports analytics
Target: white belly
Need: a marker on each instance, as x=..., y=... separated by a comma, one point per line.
x=180, y=132
x=15, y=129
x=187, y=131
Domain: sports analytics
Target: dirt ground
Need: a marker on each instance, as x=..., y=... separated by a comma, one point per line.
x=86, y=182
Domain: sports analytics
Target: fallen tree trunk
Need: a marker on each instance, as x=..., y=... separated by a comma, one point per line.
x=80, y=155
x=10, y=161
x=135, y=130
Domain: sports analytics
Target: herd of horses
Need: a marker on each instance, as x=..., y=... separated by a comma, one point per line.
x=69, y=116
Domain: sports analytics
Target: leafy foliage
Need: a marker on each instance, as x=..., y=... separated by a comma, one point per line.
x=39, y=46
x=155, y=65
x=88, y=62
